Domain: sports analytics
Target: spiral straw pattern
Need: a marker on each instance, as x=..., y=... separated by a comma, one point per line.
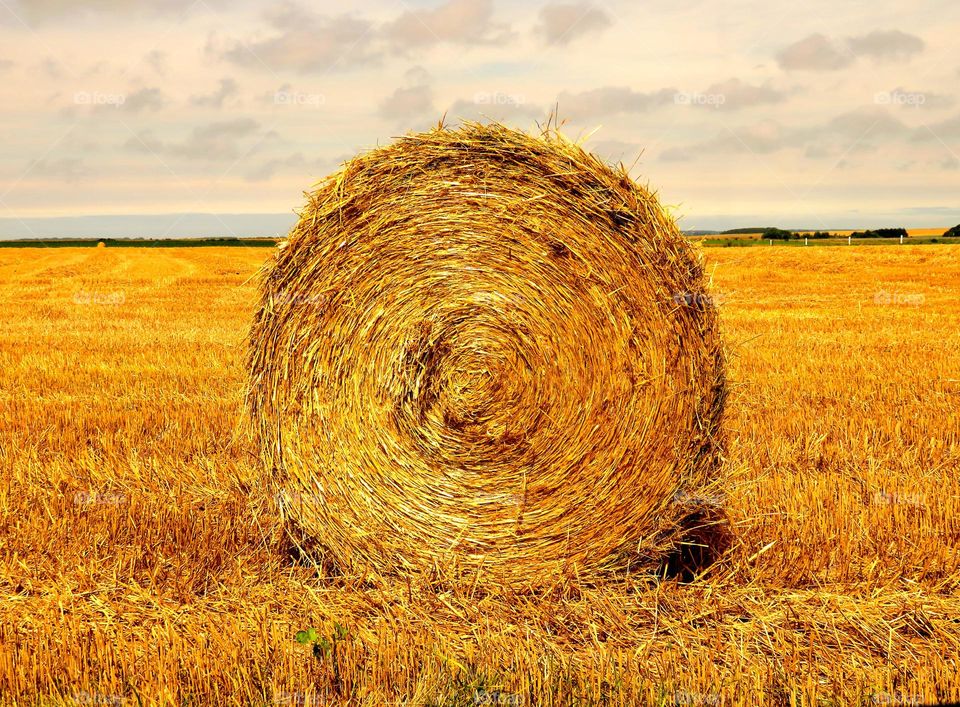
x=485, y=350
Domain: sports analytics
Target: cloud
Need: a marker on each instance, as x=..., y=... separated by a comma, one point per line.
x=887, y=45
x=406, y=104
x=615, y=151
x=146, y=99
x=737, y=94
x=814, y=53
x=875, y=122
x=43, y=10
x=944, y=130
x=65, y=169
x=820, y=53
x=6, y=64
x=228, y=89
x=562, y=23
x=52, y=68
x=307, y=42
x=156, y=60
x=611, y=100
x=846, y=133
x=499, y=107
x=454, y=22
x=265, y=170
x=214, y=141
x=677, y=154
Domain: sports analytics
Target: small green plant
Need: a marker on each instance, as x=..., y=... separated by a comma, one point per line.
x=323, y=645
x=326, y=645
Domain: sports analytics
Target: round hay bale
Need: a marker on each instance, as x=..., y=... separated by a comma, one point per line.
x=485, y=350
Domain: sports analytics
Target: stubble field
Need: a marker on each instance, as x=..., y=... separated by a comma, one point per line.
x=141, y=561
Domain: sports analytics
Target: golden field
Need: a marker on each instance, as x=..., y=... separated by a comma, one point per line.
x=141, y=560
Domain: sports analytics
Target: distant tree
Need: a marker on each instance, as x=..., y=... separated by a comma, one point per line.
x=881, y=233
x=748, y=229
x=778, y=234
x=953, y=232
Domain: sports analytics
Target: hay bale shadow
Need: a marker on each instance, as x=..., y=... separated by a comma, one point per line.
x=704, y=537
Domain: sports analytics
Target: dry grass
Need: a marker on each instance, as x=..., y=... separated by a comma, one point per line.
x=140, y=558
x=486, y=354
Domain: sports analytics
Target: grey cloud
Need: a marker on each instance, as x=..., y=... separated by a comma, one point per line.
x=615, y=150
x=677, y=154
x=146, y=99
x=950, y=163
x=495, y=106
x=738, y=94
x=887, y=45
x=943, y=130
x=267, y=169
x=611, y=100
x=308, y=42
x=145, y=142
x=456, y=21
x=66, y=169
x=875, y=122
x=814, y=53
x=820, y=53
x=407, y=104
x=228, y=89
x=156, y=60
x=52, y=68
x=44, y=10
x=845, y=133
x=561, y=23
x=6, y=64
x=220, y=140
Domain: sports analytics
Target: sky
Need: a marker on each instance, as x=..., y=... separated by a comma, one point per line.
x=212, y=117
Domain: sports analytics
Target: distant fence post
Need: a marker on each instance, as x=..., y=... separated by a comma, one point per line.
x=901, y=239
x=848, y=239
x=806, y=241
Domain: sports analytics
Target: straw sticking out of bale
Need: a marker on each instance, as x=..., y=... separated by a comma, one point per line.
x=485, y=350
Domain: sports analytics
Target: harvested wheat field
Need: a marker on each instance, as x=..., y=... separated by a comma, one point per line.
x=143, y=560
